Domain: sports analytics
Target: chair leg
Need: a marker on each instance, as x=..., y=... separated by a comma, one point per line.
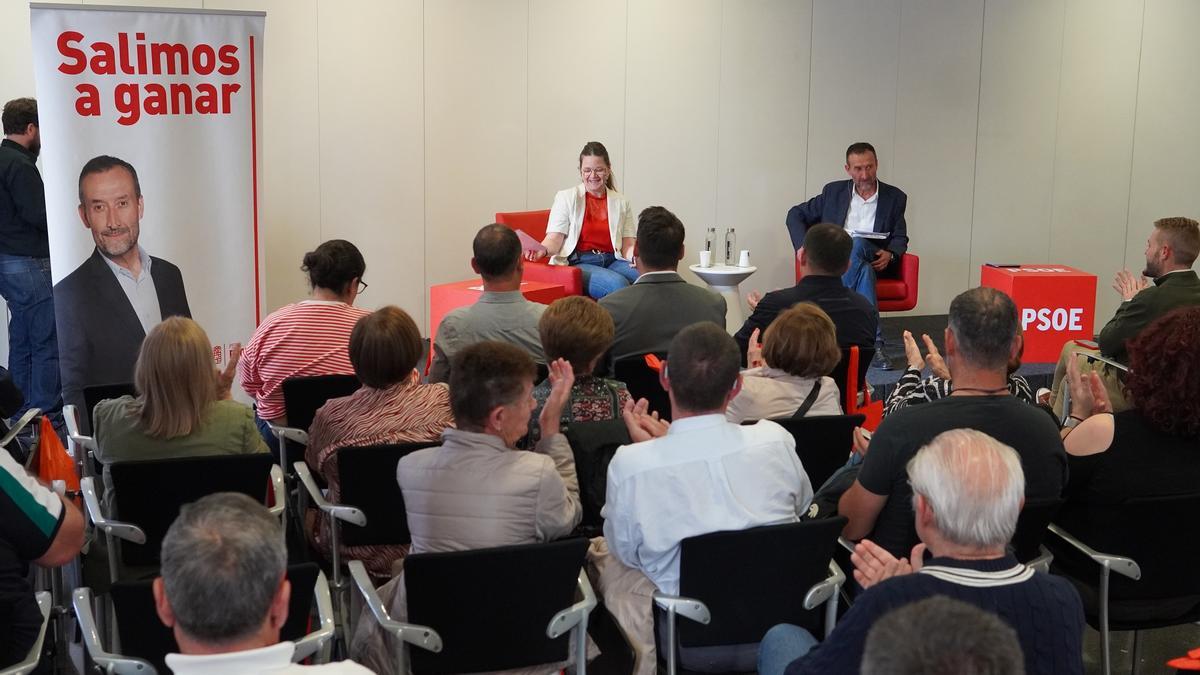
x=1105, y=657
x=670, y=642
x=1137, y=651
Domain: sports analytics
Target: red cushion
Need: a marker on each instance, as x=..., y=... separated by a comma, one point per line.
x=534, y=223
x=891, y=289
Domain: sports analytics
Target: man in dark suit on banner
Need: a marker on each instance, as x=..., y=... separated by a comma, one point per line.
x=105, y=308
x=871, y=211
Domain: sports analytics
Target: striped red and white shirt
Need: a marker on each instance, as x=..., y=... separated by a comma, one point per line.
x=311, y=337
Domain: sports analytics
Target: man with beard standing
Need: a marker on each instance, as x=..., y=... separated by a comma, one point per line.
x=25, y=280
x=108, y=304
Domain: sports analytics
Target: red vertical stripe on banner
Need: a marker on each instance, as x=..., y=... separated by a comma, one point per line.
x=254, y=180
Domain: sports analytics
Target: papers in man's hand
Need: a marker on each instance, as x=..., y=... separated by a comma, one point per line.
x=528, y=243
x=869, y=234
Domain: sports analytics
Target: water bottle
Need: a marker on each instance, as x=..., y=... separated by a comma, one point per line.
x=730, y=247
x=710, y=238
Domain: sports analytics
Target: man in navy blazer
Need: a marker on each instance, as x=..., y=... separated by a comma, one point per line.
x=861, y=204
x=107, y=305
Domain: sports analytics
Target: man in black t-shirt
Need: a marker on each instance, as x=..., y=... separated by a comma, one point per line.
x=981, y=338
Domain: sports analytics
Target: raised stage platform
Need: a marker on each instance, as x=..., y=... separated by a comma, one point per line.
x=1038, y=374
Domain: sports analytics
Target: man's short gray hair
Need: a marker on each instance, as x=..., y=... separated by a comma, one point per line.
x=974, y=485
x=985, y=324
x=942, y=636
x=222, y=561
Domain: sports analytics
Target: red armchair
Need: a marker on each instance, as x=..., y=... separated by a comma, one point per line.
x=895, y=295
x=534, y=223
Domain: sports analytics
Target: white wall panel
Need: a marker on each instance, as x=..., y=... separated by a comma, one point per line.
x=289, y=197
x=936, y=113
x=371, y=144
x=1095, y=140
x=672, y=111
x=475, y=125
x=576, y=94
x=1018, y=113
x=761, y=137
x=1165, y=173
x=852, y=94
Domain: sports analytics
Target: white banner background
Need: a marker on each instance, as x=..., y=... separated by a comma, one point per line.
x=197, y=171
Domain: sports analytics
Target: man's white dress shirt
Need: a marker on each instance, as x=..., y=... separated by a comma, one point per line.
x=861, y=216
x=276, y=658
x=705, y=475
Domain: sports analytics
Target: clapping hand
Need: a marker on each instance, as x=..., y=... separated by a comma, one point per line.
x=753, y=298
x=912, y=353
x=225, y=377
x=1129, y=285
x=562, y=378
x=754, y=357
x=1088, y=394
x=937, y=365
x=873, y=564
x=642, y=424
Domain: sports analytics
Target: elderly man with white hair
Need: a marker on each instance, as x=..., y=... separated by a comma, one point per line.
x=968, y=489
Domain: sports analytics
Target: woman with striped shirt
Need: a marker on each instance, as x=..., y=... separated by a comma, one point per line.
x=308, y=337
x=391, y=407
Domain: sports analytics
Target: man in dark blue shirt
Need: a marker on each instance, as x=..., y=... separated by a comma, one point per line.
x=968, y=490
x=25, y=280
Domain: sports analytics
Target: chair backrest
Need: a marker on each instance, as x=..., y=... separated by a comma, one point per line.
x=642, y=381
x=94, y=393
x=367, y=476
x=303, y=396
x=1154, y=532
x=144, y=636
x=150, y=493
x=841, y=373
x=532, y=223
x=753, y=579
x=1031, y=526
x=492, y=606
x=594, y=444
x=823, y=443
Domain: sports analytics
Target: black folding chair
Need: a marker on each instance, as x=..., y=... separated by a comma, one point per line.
x=489, y=609
x=147, y=497
x=371, y=507
x=1145, y=541
x=94, y=393
x=302, y=397
x=594, y=444
x=1027, y=542
x=145, y=641
x=642, y=381
x=736, y=585
x=823, y=442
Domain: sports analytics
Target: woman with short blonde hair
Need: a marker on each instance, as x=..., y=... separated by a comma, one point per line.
x=799, y=350
x=183, y=406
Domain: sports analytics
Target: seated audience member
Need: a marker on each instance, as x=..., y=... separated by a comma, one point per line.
x=983, y=336
x=798, y=351
x=1153, y=448
x=501, y=313
x=591, y=227
x=911, y=389
x=699, y=474
x=38, y=526
x=1167, y=282
x=941, y=636
x=224, y=590
x=391, y=407
x=477, y=490
x=648, y=314
x=578, y=331
x=183, y=408
x=968, y=489
x=824, y=257
x=306, y=338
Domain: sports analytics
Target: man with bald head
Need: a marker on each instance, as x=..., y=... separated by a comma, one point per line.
x=968, y=491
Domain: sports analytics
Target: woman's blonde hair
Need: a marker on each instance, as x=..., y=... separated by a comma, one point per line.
x=802, y=341
x=175, y=378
